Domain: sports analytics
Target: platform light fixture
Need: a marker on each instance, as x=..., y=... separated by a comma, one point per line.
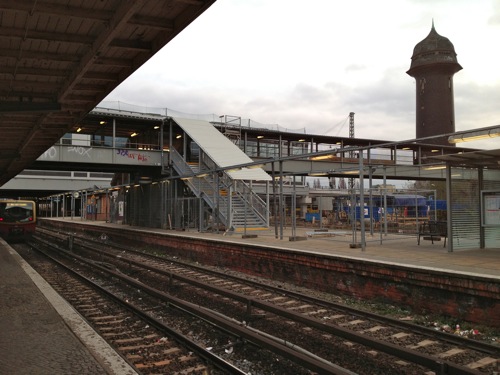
x=134, y=134
x=102, y=122
x=78, y=130
x=475, y=135
x=178, y=136
x=256, y=166
x=321, y=157
x=260, y=136
x=354, y=171
x=434, y=167
x=318, y=174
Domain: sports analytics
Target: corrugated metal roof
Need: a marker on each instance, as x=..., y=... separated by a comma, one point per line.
x=477, y=159
x=60, y=58
x=220, y=149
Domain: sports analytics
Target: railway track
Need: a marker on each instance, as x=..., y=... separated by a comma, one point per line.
x=150, y=345
x=329, y=330
x=250, y=352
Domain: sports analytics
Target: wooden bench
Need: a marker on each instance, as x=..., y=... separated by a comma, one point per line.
x=434, y=230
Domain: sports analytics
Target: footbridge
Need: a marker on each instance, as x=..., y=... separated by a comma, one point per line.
x=204, y=149
x=88, y=157
x=228, y=165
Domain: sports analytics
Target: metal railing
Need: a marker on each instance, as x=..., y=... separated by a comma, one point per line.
x=234, y=201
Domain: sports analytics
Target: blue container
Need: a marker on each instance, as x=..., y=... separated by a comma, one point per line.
x=309, y=217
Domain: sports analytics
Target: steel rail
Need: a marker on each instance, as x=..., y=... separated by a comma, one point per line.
x=227, y=324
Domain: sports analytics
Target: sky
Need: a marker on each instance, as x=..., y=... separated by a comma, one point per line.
x=305, y=65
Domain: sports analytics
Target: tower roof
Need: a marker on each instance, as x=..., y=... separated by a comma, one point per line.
x=434, y=49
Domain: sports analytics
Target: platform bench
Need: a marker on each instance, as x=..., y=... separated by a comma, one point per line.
x=434, y=230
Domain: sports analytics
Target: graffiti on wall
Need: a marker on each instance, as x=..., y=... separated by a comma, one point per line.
x=132, y=155
x=88, y=154
x=81, y=151
x=50, y=154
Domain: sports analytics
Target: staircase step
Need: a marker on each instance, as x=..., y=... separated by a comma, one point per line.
x=243, y=214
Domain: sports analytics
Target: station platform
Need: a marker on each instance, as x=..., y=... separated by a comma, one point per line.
x=41, y=334
x=393, y=249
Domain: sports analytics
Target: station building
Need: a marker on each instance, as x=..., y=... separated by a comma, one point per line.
x=229, y=175
x=156, y=168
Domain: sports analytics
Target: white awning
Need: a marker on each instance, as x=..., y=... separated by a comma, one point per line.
x=221, y=150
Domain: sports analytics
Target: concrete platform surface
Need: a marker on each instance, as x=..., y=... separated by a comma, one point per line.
x=393, y=248
x=40, y=333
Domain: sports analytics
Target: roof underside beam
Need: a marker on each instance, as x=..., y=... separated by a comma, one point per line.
x=29, y=107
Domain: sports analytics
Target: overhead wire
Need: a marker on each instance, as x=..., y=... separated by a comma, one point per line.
x=341, y=123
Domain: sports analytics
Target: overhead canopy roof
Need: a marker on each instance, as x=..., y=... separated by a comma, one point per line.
x=474, y=159
x=60, y=58
x=220, y=149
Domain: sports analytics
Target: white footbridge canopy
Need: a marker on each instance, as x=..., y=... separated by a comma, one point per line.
x=221, y=150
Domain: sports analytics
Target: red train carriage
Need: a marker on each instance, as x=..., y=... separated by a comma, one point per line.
x=17, y=219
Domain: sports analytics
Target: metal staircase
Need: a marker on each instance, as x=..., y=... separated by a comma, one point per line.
x=238, y=207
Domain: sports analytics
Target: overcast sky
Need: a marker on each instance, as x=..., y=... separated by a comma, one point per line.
x=307, y=64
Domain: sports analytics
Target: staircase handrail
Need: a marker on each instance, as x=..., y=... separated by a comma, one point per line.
x=182, y=166
x=204, y=186
x=201, y=186
x=252, y=199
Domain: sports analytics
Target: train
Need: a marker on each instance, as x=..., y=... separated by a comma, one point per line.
x=17, y=219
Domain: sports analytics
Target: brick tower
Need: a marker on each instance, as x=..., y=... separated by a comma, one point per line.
x=433, y=64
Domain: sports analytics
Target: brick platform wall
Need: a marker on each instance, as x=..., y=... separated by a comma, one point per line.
x=466, y=298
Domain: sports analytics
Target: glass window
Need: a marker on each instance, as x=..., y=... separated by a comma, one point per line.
x=12, y=212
